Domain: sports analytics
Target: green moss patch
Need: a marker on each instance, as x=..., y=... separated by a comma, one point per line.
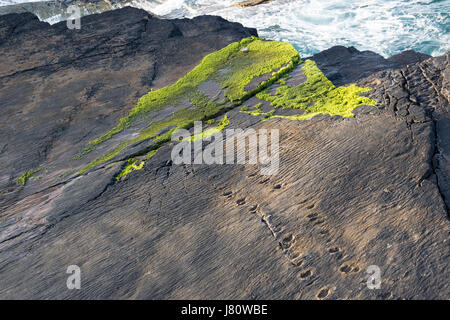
x=230, y=67
x=317, y=95
x=131, y=165
x=27, y=175
x=240, y=68
x=211, y=131
x=264, y=57
x=134, y=164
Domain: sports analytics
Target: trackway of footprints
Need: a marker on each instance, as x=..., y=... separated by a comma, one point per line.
x=288, y=243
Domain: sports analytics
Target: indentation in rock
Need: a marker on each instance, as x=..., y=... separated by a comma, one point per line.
x=349, y=267
x=318, y=222
x=323, y=293
x=287, y=241
x=345, y=269
x=297, y=262
x=333, y=250
x=306, y=274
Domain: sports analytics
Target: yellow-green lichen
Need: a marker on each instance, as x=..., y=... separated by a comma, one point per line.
x=230, y=67
x=263, y=57
x=134, y=164
x=317, y=95
x=240, y=68
x=22, y=180
x=130, y=166
x=283, y=80
x=211, y=131
x=36, y=178
x=83, y=152
x=151, y=154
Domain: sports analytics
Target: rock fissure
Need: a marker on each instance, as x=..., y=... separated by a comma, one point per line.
x=436, y=149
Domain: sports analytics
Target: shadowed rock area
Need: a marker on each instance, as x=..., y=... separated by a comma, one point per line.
x=373, y=189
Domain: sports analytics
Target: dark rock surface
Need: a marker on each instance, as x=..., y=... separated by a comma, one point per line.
x=350, y=193
x=344, y=65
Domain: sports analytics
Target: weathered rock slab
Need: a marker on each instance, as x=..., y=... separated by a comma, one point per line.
x=350, y=193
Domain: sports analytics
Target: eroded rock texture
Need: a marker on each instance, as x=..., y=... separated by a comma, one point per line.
x=350, y=193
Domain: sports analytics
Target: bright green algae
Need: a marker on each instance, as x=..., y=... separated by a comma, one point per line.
x=234, y=71
x=131, y=165
x=211, y=131
x=230, y=67
x=263, y=57
x=134, y=164
x=23, y=179
x=317, y=95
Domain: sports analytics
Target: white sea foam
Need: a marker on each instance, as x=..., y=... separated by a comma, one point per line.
x=8, y=2
x=384, y=26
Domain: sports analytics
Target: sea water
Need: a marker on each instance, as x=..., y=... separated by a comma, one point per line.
x=383, y=26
